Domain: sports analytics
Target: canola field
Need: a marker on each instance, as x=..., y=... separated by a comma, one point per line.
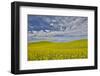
x=45, y=50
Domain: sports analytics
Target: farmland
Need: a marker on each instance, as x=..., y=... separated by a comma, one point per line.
x=45, y=50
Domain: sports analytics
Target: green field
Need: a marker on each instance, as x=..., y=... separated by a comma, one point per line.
x=45, y=50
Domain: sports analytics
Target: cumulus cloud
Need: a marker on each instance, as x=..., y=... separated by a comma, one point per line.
x=51, y=26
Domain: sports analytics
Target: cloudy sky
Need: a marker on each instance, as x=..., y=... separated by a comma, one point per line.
x=57, y=23
x=69, y=25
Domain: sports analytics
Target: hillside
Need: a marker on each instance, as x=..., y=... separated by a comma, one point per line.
x=45, y=50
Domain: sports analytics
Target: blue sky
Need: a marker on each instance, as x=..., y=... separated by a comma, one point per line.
x=52, y=28
x=56, y=23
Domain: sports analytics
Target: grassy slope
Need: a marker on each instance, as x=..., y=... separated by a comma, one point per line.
x=62, y=50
